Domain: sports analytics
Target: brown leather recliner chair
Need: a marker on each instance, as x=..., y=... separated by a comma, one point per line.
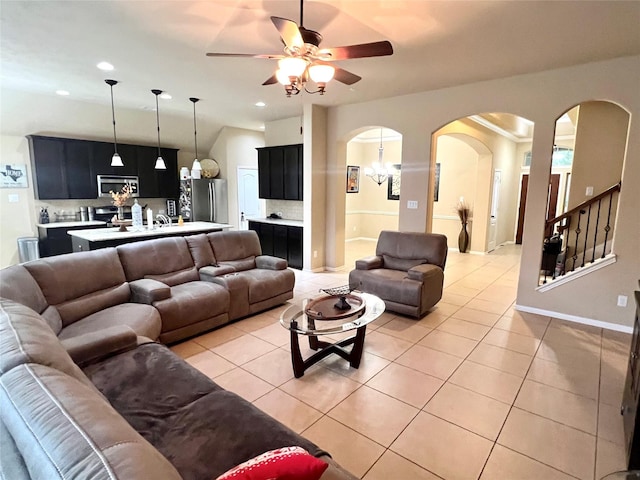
x=407, y=271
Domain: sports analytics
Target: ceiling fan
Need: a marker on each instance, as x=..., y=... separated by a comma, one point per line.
x=303, y=58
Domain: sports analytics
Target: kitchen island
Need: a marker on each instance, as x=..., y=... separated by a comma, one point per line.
x=83, y=240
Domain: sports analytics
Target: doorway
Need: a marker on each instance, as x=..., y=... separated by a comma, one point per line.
x=495, y=208
x=552, y=201
x=249, y=204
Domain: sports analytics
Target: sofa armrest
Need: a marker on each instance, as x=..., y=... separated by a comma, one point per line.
x=210, y=272
x=94, y=345
x=147, y=290
x=424, y=272
x=369, y=263
x=268, y=262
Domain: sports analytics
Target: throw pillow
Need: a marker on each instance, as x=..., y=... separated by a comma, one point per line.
x=288, y=463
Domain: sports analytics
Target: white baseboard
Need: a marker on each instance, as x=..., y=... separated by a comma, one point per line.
x=367, y=239
x=335, y=269
x=575, y=318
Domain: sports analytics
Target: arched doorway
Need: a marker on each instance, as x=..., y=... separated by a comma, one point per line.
x=371, y=198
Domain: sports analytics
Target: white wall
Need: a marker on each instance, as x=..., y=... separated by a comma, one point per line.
x=541, y=98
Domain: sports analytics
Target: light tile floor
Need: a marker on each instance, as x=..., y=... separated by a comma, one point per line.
x=474, y=390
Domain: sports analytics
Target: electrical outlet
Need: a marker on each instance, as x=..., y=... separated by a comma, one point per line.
x=589, y=192
x=413, y=204
x=622, y=300
x=315, y=254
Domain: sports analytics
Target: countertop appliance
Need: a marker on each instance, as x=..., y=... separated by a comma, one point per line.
x=204, y=200
x=115, y=183
x=105, y=214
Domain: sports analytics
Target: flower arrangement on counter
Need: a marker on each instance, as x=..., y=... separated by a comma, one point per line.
x=120, y=198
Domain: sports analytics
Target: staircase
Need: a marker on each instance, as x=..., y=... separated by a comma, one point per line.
x=579, y=240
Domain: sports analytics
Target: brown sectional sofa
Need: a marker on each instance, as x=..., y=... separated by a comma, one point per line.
x=135, y=410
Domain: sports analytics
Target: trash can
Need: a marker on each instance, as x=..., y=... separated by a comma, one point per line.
x=28, y=249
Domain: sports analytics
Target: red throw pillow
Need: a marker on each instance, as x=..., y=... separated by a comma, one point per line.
x=288, y=463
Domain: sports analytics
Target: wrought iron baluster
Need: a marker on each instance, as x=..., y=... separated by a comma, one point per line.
x=595, y=235
x=586, y=236
x=575, y=252
x=607, y=229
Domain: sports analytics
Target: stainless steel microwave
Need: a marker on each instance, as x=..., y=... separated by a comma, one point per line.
x=115, y=183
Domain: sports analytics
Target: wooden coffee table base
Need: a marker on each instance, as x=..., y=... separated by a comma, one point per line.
x=325, y=349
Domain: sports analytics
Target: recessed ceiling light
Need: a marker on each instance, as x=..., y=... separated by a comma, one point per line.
x=63, y=93
x=106, y=66
x=261, y=104
x=166, y=96
x=261, y=127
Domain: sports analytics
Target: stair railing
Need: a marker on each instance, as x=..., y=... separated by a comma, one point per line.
x=575, y=249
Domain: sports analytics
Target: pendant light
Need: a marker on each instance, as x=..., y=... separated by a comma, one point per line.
x=116, y=160
x=160, y=165
x=380, y=172
x=196, y=163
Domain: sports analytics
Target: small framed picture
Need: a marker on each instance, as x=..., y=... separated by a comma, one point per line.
x=353, y=179
x=13, y=176
x=393, y=184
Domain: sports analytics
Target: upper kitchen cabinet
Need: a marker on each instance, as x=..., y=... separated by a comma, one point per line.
x=158, y=183
x=49, y=167
x=280, y=172
x=67, y=168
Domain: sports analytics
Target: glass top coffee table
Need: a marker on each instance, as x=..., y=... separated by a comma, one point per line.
x=314, y=317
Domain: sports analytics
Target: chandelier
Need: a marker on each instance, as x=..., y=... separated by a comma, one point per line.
x=293, y=73
x=379, y=172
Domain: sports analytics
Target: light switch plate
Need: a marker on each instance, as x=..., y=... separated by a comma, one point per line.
x=622, y=300
x=13, y=198
x=589, y=192
x=412, y=204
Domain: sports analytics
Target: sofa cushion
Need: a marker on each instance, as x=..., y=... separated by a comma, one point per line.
x=26, y=338
x=192, y=302
x=234, y=245
x=392, y=285
x=241, y=264
x=167, y=258
x=65, y=430
x=265, y=284
x=202, y=429
x=102, y=283
x=144, y=320
x=404, y=264
x=17, y=284
x=429, y=246
x=201, y=250
x=12, y=466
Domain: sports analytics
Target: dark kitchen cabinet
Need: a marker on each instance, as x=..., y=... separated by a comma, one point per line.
x=56, y=241
x=280, y=172
x=283, y=241
x=631, y=396
x=67, y=168
x=48, y=167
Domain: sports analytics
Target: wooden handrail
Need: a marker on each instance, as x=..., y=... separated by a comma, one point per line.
x=608, y=191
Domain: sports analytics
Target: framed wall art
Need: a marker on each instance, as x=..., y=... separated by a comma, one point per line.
x=353, y=179
x=13, y=176
x=393, y=184
x=436, y=183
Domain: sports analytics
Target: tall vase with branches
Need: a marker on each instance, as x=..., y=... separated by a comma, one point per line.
x=464, y=211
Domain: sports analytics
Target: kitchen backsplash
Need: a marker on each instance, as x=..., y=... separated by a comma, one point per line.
x=69, y=208
x=291, y=210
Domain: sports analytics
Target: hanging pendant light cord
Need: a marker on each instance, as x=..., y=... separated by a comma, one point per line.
x=380, y=149
x=195, y=130
x=158, y=123
x=113, y=117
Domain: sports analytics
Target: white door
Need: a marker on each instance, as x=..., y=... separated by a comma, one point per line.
x=248, y=201
x=495, y=204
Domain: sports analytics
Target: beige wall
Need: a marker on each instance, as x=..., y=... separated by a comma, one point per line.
x=368, y=212
x=541, y=98
x=235, y=147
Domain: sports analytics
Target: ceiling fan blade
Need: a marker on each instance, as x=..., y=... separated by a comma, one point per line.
x=374, y=49
x=289, y=32
x=346, y=77
x=245, y=55
x=271, y=80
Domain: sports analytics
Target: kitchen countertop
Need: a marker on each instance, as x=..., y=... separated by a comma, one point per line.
x=69, y=224
x=105, y=234
x=278, y=221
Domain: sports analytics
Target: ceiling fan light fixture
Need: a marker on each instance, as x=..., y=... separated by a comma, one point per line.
x=282, y=77
x=292, y=66
x=321, y=74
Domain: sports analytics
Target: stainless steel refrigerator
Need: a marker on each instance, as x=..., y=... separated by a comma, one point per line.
x=204, y=200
